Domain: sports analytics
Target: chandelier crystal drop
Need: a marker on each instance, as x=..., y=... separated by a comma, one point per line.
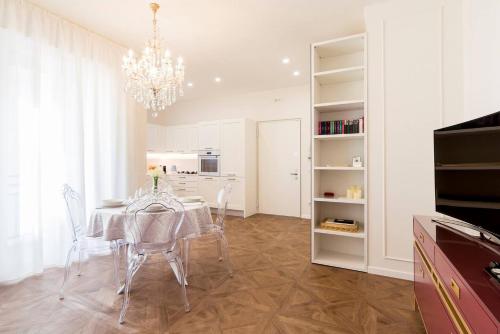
x=153, y=79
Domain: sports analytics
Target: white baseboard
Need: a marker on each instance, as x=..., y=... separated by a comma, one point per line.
x=391, y=273
x=306, y=216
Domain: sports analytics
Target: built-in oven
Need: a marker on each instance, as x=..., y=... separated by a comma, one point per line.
x=209, y=163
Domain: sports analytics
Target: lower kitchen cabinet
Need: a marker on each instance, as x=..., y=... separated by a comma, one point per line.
x=208, y=187
x=237, y=197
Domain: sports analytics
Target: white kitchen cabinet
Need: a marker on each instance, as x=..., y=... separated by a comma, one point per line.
x=155, y=139
x=151, y=140
x=170, y=139
x=180, y=139
x=208, y=135
x=208, y=187
x=192, y=134
x=232, y=140
x=237, y=197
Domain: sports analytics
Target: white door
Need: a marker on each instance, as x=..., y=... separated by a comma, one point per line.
x=232, y=148
x=279, y=167
x=208, y=136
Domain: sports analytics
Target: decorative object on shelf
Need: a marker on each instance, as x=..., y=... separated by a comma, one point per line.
x=356, y=162
x=153, y=79
x=341, y=127
x=344, y=225
x=354, y=192
x=155, y=172
x=329, y=194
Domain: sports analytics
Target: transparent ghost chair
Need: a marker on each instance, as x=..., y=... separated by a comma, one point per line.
x=153, y=225
x=215, y=230
x=80, y=242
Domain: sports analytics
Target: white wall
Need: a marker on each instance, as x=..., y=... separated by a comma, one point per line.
x=285, y=103
x=415, y=86
x=432, y=63
x=482, y=57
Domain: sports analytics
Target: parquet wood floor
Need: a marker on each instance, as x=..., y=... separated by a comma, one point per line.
x=275, y=289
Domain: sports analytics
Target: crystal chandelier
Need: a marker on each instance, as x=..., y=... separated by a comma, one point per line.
x=153, y=79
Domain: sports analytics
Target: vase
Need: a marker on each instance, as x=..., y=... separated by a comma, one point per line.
x=155, y=183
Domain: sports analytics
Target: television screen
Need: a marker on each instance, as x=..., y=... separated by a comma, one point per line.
x=467, y=171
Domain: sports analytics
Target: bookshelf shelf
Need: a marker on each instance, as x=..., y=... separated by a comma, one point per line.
x=343, y=200
x=339, y=168
x=338, y=259
x=331, y=77
x=339, y=105
x=350, y=136
x=360, y=234
x=338, y=89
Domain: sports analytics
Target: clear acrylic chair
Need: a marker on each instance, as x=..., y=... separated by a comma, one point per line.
x=153, y=224
x=80, y=242
x=216, y=230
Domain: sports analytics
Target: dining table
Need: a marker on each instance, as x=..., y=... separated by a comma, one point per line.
x=109, y=223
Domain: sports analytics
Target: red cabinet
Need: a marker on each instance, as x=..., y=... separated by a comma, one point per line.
x=433, y=312
x=453, y=291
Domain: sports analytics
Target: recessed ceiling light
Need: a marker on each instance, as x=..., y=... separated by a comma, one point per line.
x=296, y=73
x=190, y=84
x=285, y=60
x=217, y=79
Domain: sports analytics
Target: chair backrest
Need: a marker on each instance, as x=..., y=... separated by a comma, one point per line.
x=222, y=201
x=155, y=222
x=74, y=212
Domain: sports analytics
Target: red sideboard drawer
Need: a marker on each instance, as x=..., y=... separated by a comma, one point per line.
x=424, y=240
x=478, y=320
x=433, y=312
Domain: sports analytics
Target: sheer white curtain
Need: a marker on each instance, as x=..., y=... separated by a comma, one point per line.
x=64, y=118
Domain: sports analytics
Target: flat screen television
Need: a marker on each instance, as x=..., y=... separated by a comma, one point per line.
x=467, y=172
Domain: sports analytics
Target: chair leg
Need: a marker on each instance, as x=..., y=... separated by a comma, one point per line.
x=134, y=265
x=185, y=249
x=225, y=252
x=115, y=248
x=81, y=252
x=67, y=270
x=219, y=248
x=178, y=263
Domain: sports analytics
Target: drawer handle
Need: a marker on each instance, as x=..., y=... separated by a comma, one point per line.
x=181, y=189
x=421, y=237
x=455, y=288
x=182, y=182
x=231, y=179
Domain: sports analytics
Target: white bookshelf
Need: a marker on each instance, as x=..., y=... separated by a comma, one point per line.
x=338, y=90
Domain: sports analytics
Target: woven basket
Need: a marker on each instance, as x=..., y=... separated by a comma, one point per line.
x=328, y=225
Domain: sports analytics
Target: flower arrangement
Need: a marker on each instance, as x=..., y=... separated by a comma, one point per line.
x=155, y=172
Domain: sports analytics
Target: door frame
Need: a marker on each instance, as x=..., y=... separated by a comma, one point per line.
x=300, y=159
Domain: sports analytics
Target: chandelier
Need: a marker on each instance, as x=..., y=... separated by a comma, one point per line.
x=153, y=79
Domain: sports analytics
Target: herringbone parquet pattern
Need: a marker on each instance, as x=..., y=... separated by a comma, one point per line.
x=275, y=289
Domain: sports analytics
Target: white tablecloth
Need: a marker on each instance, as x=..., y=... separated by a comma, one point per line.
x=109, y=223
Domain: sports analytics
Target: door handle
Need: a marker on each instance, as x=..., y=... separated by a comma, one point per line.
x=295, y=174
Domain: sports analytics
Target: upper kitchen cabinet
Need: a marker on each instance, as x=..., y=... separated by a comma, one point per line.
x=192, y=134
x=156, y=138
x=208, y=135
x=180, y=137
x=232, y=147
x=170, y=139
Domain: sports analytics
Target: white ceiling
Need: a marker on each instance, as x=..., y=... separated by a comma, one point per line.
x=242, y=41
